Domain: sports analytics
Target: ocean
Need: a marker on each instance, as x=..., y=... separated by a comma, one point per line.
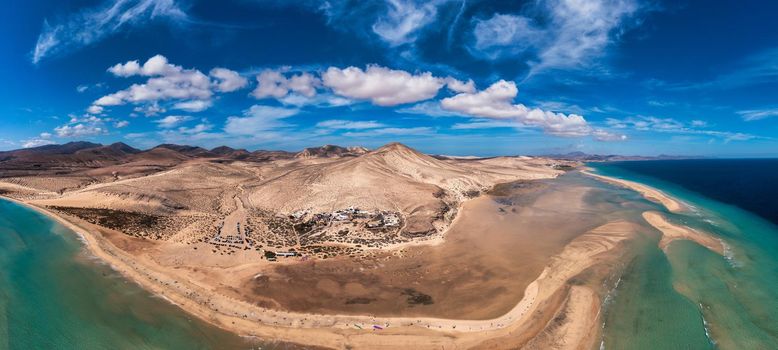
x=666, y=301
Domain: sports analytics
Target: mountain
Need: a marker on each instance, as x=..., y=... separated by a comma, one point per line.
x=192, y=151
x=394, y=177
x=424, y=190
x=265, y=156
x=331, y=151
x=585, y=157
x=68, y=148
x=59, y=158
x=115, y=151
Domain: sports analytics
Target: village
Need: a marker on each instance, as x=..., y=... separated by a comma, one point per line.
x=304, y=234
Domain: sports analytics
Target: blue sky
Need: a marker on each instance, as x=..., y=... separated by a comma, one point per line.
x=445, y=76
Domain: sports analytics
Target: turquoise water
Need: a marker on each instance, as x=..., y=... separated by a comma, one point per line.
x=665, y=301
x=54, y=296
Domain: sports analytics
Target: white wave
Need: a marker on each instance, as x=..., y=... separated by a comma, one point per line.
x=729, y=255
x=705, y=327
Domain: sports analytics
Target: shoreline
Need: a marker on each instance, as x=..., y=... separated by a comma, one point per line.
x=321, y=330
x=670, y=232
x=646, y=191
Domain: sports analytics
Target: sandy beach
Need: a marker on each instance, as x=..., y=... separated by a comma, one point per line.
x=648, y=192
x=672, y=232
x=533, y=314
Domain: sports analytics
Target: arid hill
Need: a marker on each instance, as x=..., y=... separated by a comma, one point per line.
x=330, y=195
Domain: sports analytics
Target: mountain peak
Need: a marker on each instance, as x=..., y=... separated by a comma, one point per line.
x=123, y=147
x=331, y=151
x=395, y=146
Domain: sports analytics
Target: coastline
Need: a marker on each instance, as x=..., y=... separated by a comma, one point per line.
x=647, y=192
x=338, y=331
x=670, y=232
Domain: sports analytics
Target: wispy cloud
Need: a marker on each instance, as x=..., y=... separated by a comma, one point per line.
x=554, y=34
x=414, y=131
x=758, y=114
x=394, y=22
x=404, y=18
x=673, y=126
x=92, y=25
x=172, y=121
x=259, y=119
x=349, y=124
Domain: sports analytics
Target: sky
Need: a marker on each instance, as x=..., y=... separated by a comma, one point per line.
x=458, y=77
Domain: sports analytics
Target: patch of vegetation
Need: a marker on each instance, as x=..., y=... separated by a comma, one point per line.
x=417, y=298
x=360, y=300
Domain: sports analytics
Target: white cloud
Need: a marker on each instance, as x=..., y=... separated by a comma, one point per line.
x=496, y=102
x=258, y=119
x=672, y=126
x=349, y=124
x=644, y=123
x=172, y=121
x=149, y=110
x=396, y=22
x=604, y=135
x=559, y=34
x=80, y=130
x=414, y=131
x=197, y=129
x=193, y=106
x=273, y=83
x=36, y=143
x=487, y=124
x=125, y=69
x=758, y=114
x=505, y=34
x=121, y=124
x=382, y=86
x=228, y=80
x=108, y=100
x=403, y=20
x=95, y=109
x=460, y=86
x=429, y=108
x=92, y=25
x=190, y=87
x=319, y=100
